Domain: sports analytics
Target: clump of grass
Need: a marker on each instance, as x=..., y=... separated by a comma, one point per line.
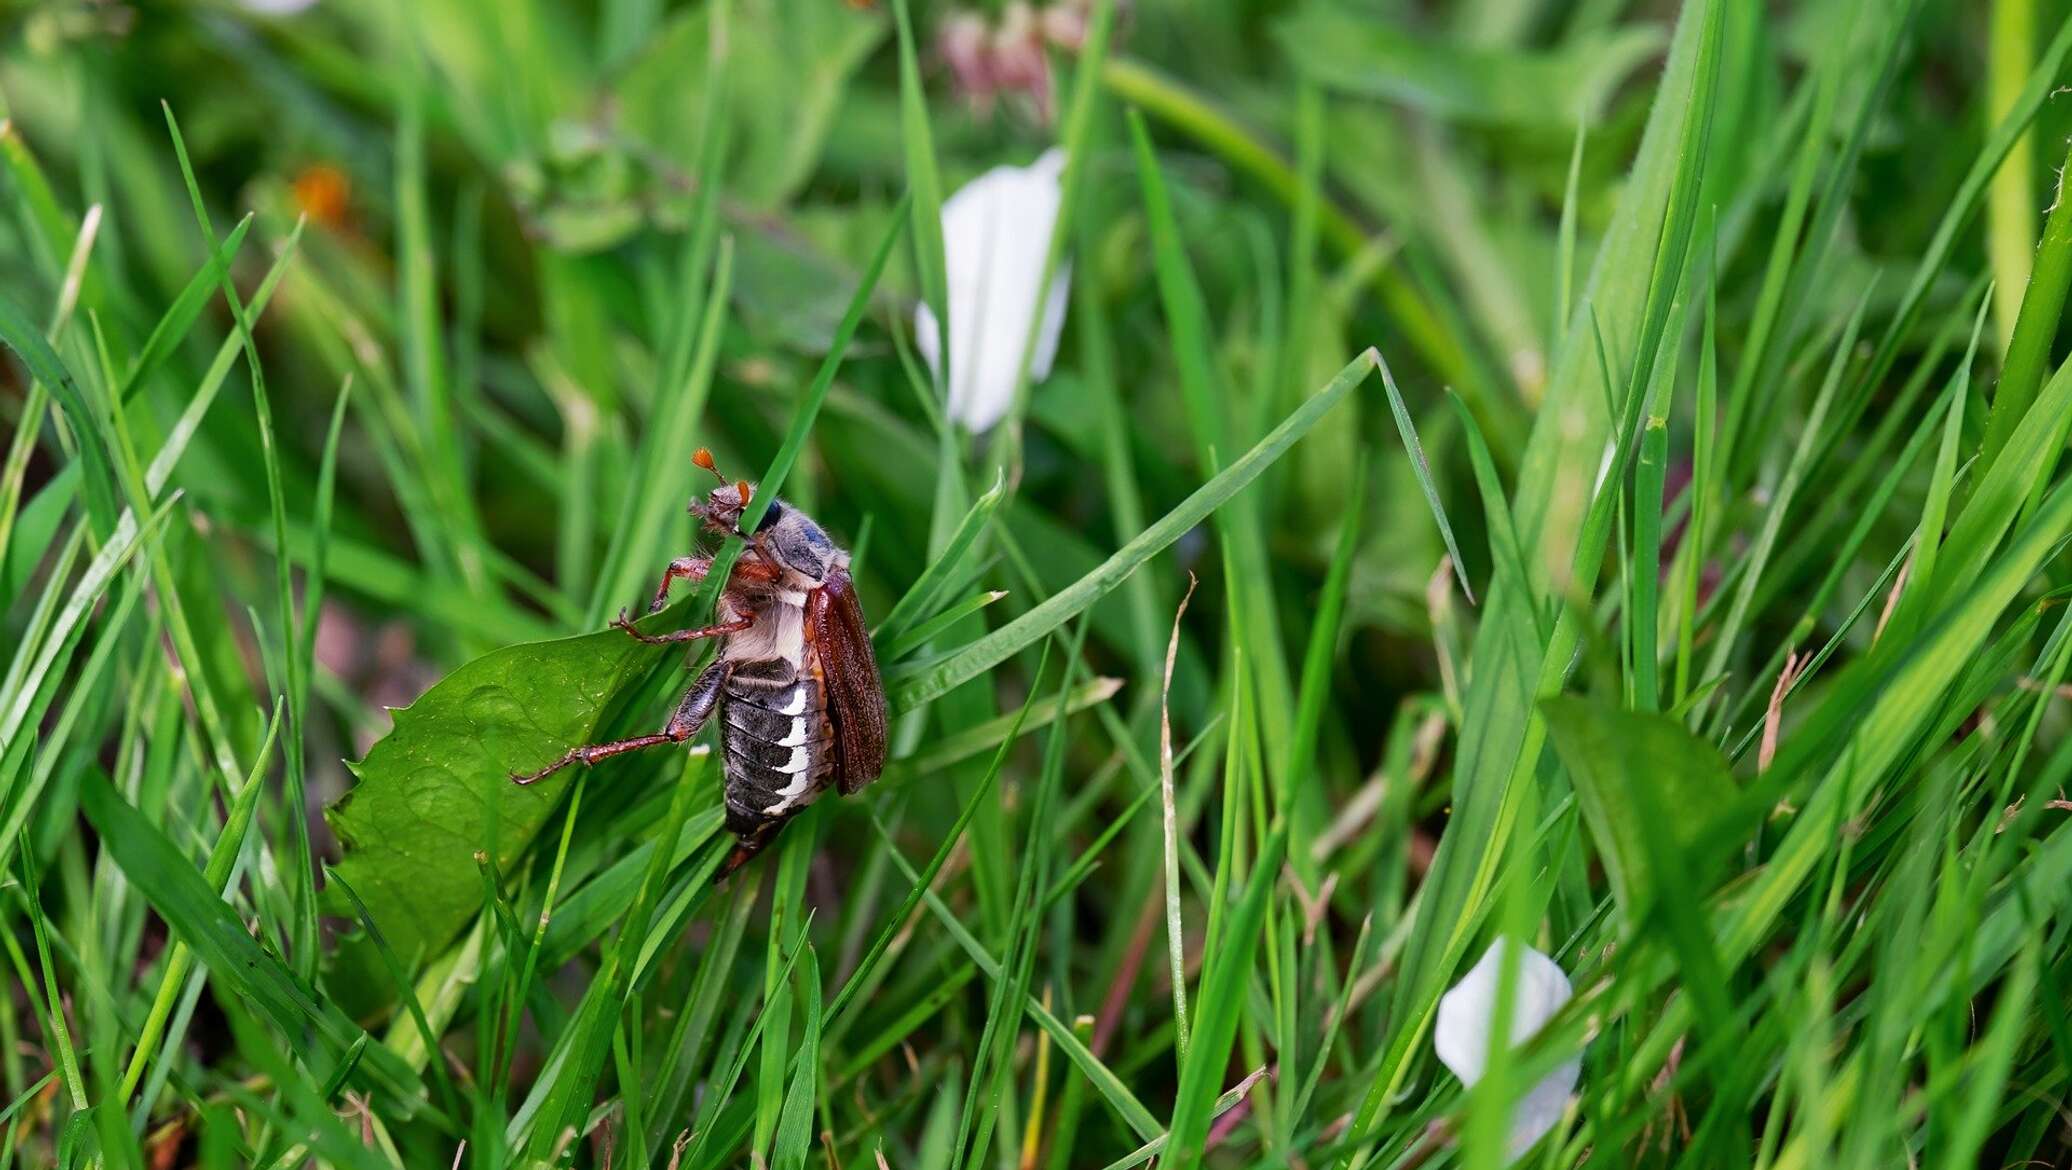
x=1618, y=453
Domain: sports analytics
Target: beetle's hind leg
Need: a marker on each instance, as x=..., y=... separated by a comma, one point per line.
x=592, y=752
x=753, y=832
x=720, y=630
x=745, y=850
x=698, y=704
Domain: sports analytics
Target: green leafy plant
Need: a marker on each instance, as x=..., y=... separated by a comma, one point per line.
x=1685, y=599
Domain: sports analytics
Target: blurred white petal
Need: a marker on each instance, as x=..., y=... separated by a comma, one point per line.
x=996, y=235
x=276, y=7
x=1467, y=1013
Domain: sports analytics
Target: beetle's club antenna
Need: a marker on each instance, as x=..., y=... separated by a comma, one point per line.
x=703, y=458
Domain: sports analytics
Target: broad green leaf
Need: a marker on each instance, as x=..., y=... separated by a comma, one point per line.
x=438, y=788
x=1555, y=89
x=791, y=291
x=1609, y=753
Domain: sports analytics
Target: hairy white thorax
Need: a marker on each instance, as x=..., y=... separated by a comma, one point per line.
x=779, y=631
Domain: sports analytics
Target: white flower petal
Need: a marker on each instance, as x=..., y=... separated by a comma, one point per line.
x=1466, y=1014
x=1539, y=1111
x=996, y=235
x=277, y=7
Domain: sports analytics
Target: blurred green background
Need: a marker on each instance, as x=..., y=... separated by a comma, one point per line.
x=520, y=257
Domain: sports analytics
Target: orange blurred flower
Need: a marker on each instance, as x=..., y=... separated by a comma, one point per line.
x=324, y=193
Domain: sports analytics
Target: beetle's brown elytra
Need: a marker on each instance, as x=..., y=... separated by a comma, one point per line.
x=795, y=683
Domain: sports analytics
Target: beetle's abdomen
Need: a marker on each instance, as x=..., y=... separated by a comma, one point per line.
x=778, y=741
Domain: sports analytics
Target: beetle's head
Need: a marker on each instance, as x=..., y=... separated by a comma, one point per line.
x=721, y=508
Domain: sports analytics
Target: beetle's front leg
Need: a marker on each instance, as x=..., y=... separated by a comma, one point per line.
x=697, y=568
x=685, y=568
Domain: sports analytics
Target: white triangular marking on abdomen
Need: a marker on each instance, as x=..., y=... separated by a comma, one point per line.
x=790, y=793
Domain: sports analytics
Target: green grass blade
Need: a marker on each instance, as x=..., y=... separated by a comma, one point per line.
x=920, y=599
x=1221, y=1003
x=924, y=183
x=1060, y=607
x=222, y=857
x=44, y=367
x=794, y=1138
x=1423, y=469
x=205, y=922
x=2035, y=327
